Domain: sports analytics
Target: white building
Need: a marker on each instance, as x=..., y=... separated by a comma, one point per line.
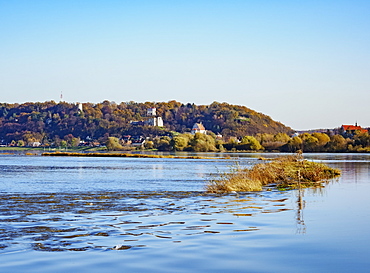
x=151, y=112
x=159, y=122
x=156, y=121
x=198, y=128
x=80, y=107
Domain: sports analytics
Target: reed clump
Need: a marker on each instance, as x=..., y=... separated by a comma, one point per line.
x=287, y=172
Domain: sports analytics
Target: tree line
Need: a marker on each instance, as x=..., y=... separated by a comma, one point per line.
x=53, y=124
x=281, y=142
x=66, y=125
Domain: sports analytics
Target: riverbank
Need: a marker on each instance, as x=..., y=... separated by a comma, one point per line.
x=104, y=150
x=44, y=149
x=107, y=154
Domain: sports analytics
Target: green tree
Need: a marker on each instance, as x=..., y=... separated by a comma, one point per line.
x=164, y=143
x=293, y=145
x=281, y=137
x=203, y=143
x=310, y=143
x=113, y=144
x=181, y=142
x=231, y=144
x=337, y=143
x=63, y=144
x=75, y=141
x=249, y=143
x=322, y=138
x=362, y=139
x=20, y=143
x=149, y=144
x=221, y=147
x=273, y=142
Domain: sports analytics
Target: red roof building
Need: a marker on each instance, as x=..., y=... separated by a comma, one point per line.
x=353, y=128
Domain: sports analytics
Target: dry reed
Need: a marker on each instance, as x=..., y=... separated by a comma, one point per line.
x=287, y=172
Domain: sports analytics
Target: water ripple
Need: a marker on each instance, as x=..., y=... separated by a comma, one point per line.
x=125, y=220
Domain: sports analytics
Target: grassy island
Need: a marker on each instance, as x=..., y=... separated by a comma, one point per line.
x=287, y=172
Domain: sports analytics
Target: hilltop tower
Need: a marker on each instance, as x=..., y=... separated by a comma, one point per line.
x=80, y=107
x=151, y=112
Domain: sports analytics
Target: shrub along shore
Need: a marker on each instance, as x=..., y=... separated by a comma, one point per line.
x=122, y=155
x=287, y=172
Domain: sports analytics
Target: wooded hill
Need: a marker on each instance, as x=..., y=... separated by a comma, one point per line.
x=48, y=121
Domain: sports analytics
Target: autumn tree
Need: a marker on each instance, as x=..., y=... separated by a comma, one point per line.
x=50, y=119
x=337, y=143
x=309, y=142
x=272, y=142
x=249, y=143
x=20, y=143
x=181, y=142
x=293, y=145
x=362, y=139
x=323, y=139
x=163, y=143
x=203, y=143
x=113, y=144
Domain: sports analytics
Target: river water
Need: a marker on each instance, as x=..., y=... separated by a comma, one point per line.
x=60, y=214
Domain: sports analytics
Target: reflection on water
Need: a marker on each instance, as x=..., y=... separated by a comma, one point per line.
x=354, y=167
x=354, y=171
x=301, y=226
x=121, y=221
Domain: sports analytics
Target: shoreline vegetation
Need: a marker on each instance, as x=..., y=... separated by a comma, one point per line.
x=104, y=149
x=165, y=126
x=284, y=173
x=122, y=155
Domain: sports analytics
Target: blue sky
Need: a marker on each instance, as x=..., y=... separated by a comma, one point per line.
x=304, y=63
